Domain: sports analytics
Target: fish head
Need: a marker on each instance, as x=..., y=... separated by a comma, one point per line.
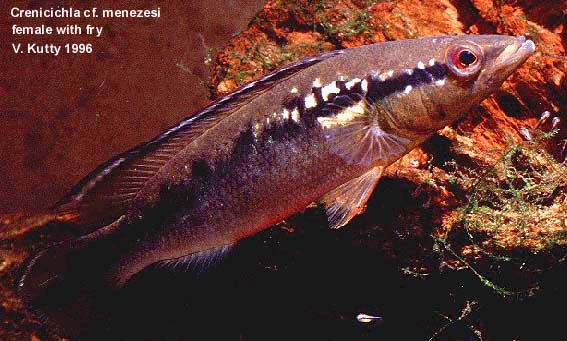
x=453, y=74
x=478, y=65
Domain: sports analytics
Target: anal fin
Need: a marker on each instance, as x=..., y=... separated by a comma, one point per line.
x=198, y=262
x=349, y=199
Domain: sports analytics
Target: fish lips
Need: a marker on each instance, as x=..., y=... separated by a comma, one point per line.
x=512, y=56
x=516, y=53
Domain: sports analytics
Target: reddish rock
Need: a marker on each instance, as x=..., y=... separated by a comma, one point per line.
x=421, y=218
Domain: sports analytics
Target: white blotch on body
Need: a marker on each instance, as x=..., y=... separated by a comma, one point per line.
x=420, y=65
x=344, y=117
x=352, y=83
x=358, y=108
x=294, y=90
x=390, y=73
x=295, y=115
x=317, y=83
x=310, y=101
x=257, y=130
x=364, y=85
x=440, y=82
x=409, y=71
x=329, y=89
x=286, y=114
x=408, y=89
x=431, y=62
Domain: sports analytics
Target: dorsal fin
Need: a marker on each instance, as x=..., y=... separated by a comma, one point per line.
x=107, y=192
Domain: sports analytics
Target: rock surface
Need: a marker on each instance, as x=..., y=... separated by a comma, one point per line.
x=464, y=237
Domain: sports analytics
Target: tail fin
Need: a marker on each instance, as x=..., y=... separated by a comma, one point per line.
x=65, y=286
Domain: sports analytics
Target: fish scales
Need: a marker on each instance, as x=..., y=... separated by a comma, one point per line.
x=320, y=129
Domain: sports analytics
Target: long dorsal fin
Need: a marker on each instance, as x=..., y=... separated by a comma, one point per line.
x=107, y=192
x=349, y=199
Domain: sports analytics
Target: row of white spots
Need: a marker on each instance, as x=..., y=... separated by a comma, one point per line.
x=385, y=75
x=286, y=115
x=275, y=118
x=239, y=91
x=311, y=102
x=421, y=66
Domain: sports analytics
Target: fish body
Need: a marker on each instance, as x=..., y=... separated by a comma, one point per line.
x=319, y=129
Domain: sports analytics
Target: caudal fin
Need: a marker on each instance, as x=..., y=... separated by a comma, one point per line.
x=65, y=286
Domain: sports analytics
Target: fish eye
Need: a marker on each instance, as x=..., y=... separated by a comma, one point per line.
x=464, y=60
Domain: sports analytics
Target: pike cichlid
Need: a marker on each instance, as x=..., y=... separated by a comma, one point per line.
x=321, y=129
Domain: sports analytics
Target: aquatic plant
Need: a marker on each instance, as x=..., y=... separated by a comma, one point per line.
x=515, y=210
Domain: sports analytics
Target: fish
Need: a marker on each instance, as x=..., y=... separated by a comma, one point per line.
x=366, y=318
x=318, y=130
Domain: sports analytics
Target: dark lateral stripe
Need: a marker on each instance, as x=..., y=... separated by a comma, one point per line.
x=378, y=89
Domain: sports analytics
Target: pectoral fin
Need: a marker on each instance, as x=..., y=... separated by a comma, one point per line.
x=349, y=199
x=353, y=133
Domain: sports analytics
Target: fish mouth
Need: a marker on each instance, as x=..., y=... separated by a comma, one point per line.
x=515, y=53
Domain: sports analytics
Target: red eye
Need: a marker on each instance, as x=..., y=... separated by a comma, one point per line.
x=464, y=59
